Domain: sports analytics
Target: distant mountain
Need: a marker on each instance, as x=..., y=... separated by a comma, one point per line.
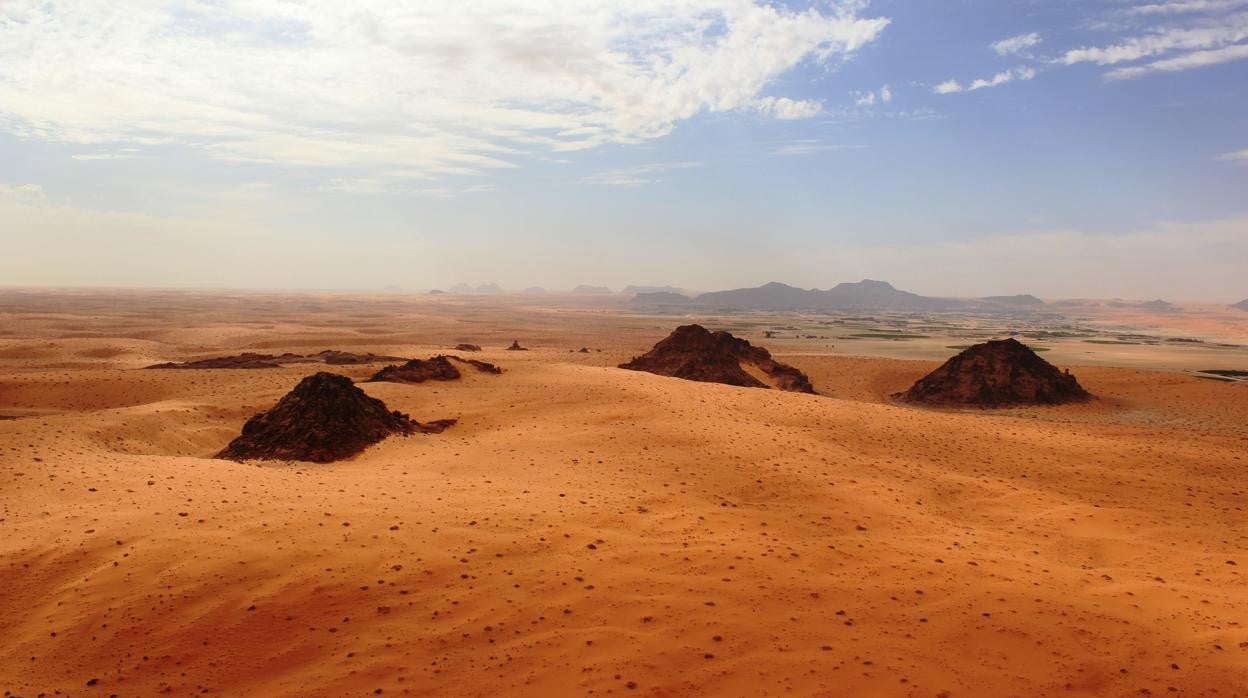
x=862, y=295
x=483, y=288
x=534, y=290
x=661, y=298
x=1158, y=305
x=634, y=290
x=583, y=289
x=772, y=296
x=1242, y=305
x=1020, y=299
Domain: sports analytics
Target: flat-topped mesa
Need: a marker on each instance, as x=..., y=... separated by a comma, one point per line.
x=254, y=360
x=325, y=418
x=244, y=360
x=1000, y=373
x=694, y=353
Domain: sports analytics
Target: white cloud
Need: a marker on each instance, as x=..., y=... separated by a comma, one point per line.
x=639, y=175
x=1239, y=156
x=1229, y=30
x=434, y=88
x=867, y=99
x=1001, y=78
x=1016, y=45
x=788, y=109
x=1186, y=61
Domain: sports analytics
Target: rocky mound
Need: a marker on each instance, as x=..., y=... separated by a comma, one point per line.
x=999, y=373
x=515, y=346
x=467, y=347
x=325, y=418
x=694, y=353
x=439, y=368
x=334, y=357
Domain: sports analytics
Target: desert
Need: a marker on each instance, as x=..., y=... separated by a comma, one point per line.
x=588, y=530
x=613, y=349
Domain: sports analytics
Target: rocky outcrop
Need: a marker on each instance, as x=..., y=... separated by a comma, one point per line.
x=999, y=373
x=324, y=419
x=694, y=353
x=438, y=368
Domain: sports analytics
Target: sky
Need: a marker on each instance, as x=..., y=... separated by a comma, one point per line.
x=1065, y=148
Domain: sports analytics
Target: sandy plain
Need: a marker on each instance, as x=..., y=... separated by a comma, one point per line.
x=590, y=531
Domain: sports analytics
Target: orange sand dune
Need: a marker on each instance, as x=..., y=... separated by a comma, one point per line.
x=586, y=530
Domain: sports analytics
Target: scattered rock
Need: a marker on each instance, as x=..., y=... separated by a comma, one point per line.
x=482, y=366
x=325, y=418
x=996, y=374
x=694, y=353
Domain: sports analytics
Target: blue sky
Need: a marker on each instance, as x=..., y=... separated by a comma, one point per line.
x=1065, y=148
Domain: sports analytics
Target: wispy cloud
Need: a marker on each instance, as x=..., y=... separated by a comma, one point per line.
x=788, y=109
x=1001, y=78
x=1185, y=7
x=1238, y=156
x=450, y=88
x=87, y=157
x=1186, y=61
x=1205, y=36
x=810, y=147
x=1016, y=45
x=639, y=175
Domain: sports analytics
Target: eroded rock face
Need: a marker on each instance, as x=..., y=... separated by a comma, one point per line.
x=999, y=373
x=694, y=353
x=324, y=419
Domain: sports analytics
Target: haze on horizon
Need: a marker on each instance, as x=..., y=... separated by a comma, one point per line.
x=1091, y=148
